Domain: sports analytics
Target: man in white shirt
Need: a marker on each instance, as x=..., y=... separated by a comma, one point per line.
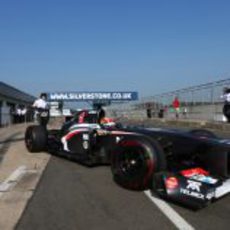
x=41, y=102
x=41, y=109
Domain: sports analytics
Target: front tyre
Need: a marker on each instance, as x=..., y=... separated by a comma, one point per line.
x=134, y=161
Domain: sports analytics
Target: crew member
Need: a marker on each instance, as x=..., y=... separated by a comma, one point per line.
x=41, y=109
x=41, y=102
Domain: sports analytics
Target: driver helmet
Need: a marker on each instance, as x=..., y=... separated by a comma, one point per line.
x=107, y=122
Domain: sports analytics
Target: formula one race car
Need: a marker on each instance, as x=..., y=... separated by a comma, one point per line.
x=187, y=167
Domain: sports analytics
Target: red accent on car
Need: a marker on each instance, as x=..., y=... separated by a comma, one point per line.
x=150, y=162
x=73, y=133
x=194, y=171
x=171, y=183
x=129, y=143
x=70, y=135
x=150, y=166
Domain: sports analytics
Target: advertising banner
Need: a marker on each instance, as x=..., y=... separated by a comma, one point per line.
x=93, y=96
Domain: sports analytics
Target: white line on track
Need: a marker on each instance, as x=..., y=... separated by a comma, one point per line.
x=173, y=216
x=12, y=180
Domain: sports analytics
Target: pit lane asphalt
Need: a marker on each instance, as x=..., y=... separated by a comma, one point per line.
x=70, y=196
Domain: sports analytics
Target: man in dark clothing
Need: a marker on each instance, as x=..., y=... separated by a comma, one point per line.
x=226, y=108
x=148, y=111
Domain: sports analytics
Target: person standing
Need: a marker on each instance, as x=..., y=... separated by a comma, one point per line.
x=23, y=114
x=148, y=110
x=226, y=107
x=185, y=112
x=18, y=114
x=41, y=107
x=176, y=106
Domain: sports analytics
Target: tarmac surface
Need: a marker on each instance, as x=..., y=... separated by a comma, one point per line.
x=66, y=195
x=71, y=196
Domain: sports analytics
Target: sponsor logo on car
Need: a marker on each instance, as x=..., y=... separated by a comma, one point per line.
x=85, y=137
x=171, y=183
x=193, y=185
x=205, y=179
x=193, y=189
x=192, y=193
x=85, y=144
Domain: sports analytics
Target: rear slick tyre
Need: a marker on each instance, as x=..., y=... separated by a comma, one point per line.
x=36, y=138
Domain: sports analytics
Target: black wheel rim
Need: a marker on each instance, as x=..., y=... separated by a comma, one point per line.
x=132, y=162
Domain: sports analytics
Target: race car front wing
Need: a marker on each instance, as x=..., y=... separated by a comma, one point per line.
x=194, y=188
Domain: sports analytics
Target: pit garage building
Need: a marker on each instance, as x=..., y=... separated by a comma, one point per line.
x=10, y=99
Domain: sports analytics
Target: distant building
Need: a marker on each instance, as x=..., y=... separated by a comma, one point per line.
x=12, y=98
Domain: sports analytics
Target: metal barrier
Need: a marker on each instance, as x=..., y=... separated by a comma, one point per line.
x=197, y=102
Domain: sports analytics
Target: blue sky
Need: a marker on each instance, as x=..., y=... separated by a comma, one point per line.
x=105, y=45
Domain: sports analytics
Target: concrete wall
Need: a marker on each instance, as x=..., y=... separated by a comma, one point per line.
x=5, y=118
x=206, y=112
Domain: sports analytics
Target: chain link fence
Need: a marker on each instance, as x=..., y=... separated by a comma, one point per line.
x=201, y=102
